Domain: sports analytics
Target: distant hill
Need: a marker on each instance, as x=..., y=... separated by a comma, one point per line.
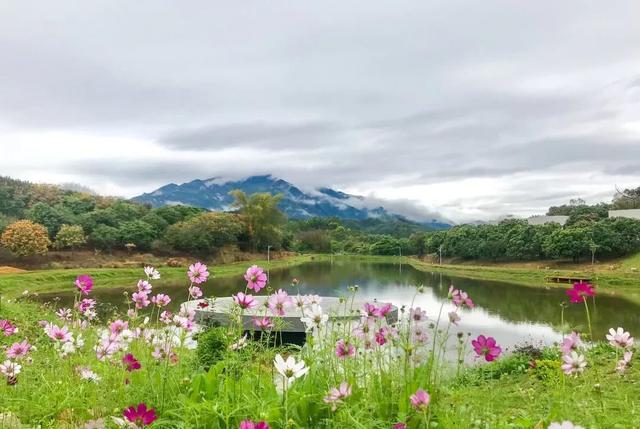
x=213, y=194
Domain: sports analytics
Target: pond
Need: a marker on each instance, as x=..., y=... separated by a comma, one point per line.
x=511, y=313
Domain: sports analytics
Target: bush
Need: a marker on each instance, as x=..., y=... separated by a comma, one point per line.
x=104, y=237
x=212, y=345
x=70, y=237
x=26, y=238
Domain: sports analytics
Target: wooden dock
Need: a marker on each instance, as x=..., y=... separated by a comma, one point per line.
x=567, y=279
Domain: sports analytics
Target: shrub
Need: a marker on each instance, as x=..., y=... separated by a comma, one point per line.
x=70, y=237
x=212, y=345
x=26, y=238
x=104, y=237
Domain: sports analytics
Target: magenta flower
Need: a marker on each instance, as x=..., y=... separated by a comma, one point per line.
x=580, y=292
x=570, y=343
x=384, y=333
x=198, y=273
x=420, y=400
x=337, y=395
x=486, y=347
x=384, y=309
x=263, y=323
x=141, y=299
x=161, y=300
x=369, y=310
x=18, y=350
x=248, y=424
x=140, y=415
x=58, y=334
x=256, y=278
x=195, y=292
x=144, y=286
x=86, y=305
x=245, y=301
x=278, y=302
x=345, y=349
x=131, y=363
x=84, y=283
x=399, y=426
x=7, y=328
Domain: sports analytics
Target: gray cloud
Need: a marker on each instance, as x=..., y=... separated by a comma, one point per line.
x=378, y=98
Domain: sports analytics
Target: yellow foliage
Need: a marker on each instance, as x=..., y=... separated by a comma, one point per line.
x=25, y=238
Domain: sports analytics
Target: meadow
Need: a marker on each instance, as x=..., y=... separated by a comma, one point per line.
x=90, y=367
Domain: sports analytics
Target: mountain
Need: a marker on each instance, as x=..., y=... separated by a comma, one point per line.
x=213, y=194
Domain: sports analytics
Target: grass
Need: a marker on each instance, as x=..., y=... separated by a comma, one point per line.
x=60, y=279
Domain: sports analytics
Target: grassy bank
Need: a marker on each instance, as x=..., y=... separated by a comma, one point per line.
x=61, y=279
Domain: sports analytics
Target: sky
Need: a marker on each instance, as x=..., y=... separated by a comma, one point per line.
x=471, y=110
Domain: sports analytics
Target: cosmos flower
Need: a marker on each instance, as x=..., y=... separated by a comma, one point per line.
x=345, y=349
x=460, y=298
x=417, y=315
x=195, y=292
x=454, y=318
x=256, y=278
x=245, y=301
x=58, y=334
x=315, y=318
x=152, y=273
x=18, y=350
x=289, y=370
x=140, y=415
x=570, y=342
x=198, y=273
x=7, y=328
x=487, y=347
x=141, y=299
x=87, y=374
x=263, y=323
x=337, y=395
x=144, y=286
x=278, y=302
x=84, y=283
x=420, y=400
x=564, y=425
x=131, y=363
x=248, y=424
x=580, y=291
x=620, y=338
x=161, y=300
x=573, y=363
x=623, y=363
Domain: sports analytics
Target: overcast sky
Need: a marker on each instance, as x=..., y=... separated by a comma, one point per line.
x=470, y=109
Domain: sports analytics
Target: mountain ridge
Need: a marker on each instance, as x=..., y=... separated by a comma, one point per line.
x=213, y=194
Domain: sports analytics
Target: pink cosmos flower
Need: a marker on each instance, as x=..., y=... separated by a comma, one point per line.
x=118, y=326
x=399, y=426
x=256, y=278
x=166, y=317
x=460, y=298
x=419, y=334
x=420, y=400
x=161, y=300
x=570, y=342
x=64, y=314
x=248, y=424
x=417, y=315
x=195, y=292
x=86, y=305
x=384, y=309
x=144, y=286
x=58, y=334
x=84, y=283
x=263, y=323
x=278, y=302
x=623, y=363
x=337, y=395
x=131, y=363
x=18, y=350
x=140, y=415
x=245, y=301
x=486, y=347
x=574, y=363
x=369, y=310
x=384, y=333
x=198, y=273
x=141, y=299
x=580, y=292
x=7, y=328
x=364, y=328
x=345, y=349
x=620, y=338
x=454, y=317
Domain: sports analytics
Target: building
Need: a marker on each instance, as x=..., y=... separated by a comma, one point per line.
x=541, y=220
x=629, y=214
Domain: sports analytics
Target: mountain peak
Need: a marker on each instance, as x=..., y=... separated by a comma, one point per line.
x=213, y=194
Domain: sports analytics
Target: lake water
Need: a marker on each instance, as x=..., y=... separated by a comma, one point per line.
x=511, y=313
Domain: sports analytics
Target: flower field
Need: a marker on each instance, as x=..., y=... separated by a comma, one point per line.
x=90, y=367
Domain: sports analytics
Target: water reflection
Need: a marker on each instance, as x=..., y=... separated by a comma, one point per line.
x=511, y=313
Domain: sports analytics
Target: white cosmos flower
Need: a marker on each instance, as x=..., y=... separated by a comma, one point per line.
x=10, y=369
x=288, y=371
x=574, y=363
x=620, y=338
x=152, y=273
x=315, y=319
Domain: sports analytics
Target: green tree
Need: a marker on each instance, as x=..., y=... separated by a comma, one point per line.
x=46, y=215
x=26, y=238
x=136, y=232
x=263, y=219
x=204, y=234
x=315, y=240
x=104, y=237
x=570, y=242
x=70, y=237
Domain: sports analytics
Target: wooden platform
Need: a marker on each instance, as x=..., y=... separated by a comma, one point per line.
x=219, y=312
x=569, y=280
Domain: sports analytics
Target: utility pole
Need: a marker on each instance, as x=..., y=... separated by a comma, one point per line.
x=268, y=261
x=440, y=251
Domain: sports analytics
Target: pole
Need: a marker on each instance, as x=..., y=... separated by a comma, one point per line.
x=268, y=261
x=440, y=251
